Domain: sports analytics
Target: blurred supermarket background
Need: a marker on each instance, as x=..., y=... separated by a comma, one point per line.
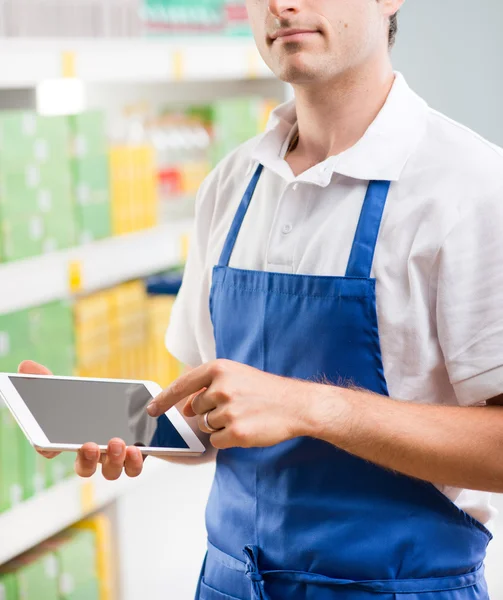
x=112, y=112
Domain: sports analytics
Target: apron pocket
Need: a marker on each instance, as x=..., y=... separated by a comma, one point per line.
x=208, y=593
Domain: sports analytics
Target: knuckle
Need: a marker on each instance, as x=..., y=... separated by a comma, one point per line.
x=219, y=367
x=224, y=395
x=211, y=396
x=231, y=413
x=238, y=432
x=218, y=443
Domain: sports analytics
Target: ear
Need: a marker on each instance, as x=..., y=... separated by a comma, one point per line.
x=390, y=7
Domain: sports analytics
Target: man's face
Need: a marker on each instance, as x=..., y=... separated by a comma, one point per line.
x=310, y=41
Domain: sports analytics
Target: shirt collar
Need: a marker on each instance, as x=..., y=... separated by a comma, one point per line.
x=381, y=154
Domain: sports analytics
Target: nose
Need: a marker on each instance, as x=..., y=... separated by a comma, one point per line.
x=284, y=8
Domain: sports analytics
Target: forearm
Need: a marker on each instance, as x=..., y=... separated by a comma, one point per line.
x=454, y=446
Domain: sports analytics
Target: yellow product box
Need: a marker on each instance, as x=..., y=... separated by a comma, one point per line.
x=92, y=329
x=136, y=187
x=133, y=188
x=148, y=352
x=166, y=367
x=120, y=188
x=149, y=189
x=131, y=293
x=92, y=311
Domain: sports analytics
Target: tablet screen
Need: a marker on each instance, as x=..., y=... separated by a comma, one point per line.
x=76, y=412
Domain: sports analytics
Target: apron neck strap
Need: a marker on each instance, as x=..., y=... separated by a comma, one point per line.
x=232, y=236
x=367, y=232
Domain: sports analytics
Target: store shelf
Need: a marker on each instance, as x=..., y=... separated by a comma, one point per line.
x=48, y=513
x=25, y=62
x=62, y=275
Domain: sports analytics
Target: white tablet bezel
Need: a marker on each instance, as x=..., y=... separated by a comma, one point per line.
x=39, y=440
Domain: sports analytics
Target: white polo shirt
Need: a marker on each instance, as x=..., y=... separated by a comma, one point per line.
x=439, y=257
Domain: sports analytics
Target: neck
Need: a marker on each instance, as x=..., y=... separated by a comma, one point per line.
x=333, y=117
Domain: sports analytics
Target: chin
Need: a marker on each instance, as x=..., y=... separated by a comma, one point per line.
x=294, y=69
x=295, y=74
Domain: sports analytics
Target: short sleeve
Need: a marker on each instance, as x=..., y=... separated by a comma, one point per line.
x=189, y=337
x=468, y=282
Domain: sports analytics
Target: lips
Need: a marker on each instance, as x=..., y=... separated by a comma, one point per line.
x=287, y=33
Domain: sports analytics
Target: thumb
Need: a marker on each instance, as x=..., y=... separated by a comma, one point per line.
x=28, y=367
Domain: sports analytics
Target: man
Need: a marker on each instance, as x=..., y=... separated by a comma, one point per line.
x=350, y=255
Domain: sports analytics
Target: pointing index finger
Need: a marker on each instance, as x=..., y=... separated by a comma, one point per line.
x=186, y=385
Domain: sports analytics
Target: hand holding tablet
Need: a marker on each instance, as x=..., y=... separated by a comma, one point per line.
x=62, y=413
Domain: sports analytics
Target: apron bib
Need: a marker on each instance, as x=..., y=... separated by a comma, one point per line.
x=304, y=520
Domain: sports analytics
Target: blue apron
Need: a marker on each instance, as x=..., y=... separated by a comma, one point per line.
x=304, y=520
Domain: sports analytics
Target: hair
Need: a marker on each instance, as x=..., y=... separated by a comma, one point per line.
x=393, y=29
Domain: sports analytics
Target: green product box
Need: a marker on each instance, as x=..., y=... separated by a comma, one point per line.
x=8, y=587
x=39, y=473
x=94, y=222
x=15, y=204
x=13, y=340
x=37, y=576
x=88, y=591
x=27, y=137
x=77, y=561
x=33, y=468
x=91, y=173
x=92, y=196
x=56, y=131
x=19, y=180
x=235, y=120
x=17, y=199
x=60, y=230
x=31, y=188
x=88, y=134
x=44, y=334
x=57, y=173
x=22, y=237
x=57, y=358
x=60, y=468
x=11, y=491
x=31, y=233
x=51, y=336
x=76, y=556
x=52, y=321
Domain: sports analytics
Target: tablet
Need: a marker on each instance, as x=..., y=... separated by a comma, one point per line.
x=63, y=413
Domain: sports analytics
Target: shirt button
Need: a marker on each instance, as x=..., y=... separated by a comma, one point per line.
x=295, y=187
x=287, y=228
